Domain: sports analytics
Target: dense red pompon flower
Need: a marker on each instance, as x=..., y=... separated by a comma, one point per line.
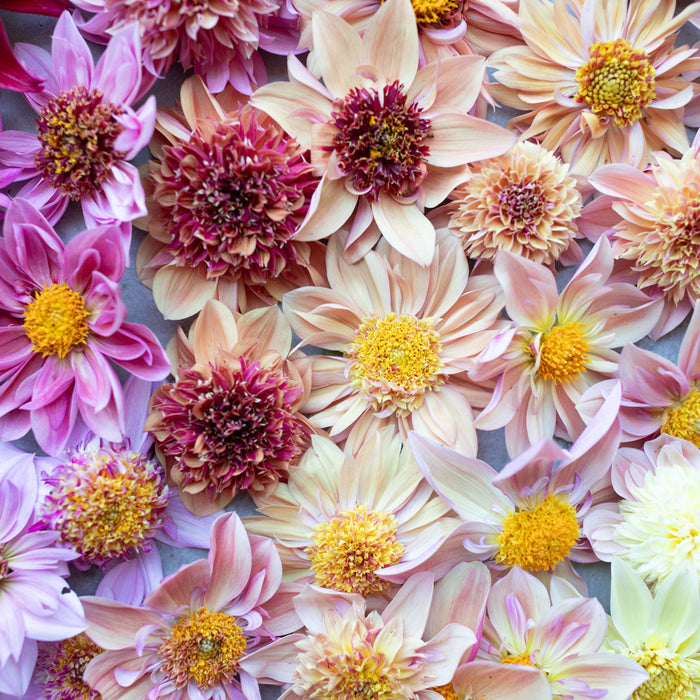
x=61, y=322
x=223, y=227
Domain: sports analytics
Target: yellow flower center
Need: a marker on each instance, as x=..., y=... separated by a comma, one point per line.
x=204, y=647
x=537, y=539
x=394, y=360
x=563, y=353
x=62, y=674
x=348, y=549
x=670, y=676
x=617, y=81
x=447, y=691
x=56, y=321
x=433, y=11
x=521, y=659
x=683, y=420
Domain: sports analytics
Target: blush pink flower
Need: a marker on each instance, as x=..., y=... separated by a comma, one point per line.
x=389, y=139
x=558, y=346
x=87, y=130
x=215, y=629
x=223, y=227
x=61, y=323
x=402, y=338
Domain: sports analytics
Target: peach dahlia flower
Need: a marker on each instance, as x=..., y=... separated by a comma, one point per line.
x=601, y=79
x=402, y=337
x=388, y=139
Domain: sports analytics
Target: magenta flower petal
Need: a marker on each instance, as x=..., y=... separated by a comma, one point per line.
x=13, y=75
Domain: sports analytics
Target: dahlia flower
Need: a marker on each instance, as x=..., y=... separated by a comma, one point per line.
x=601, y=79
x=87, y=130
x=659, y=632
x=530, y=514
x=652, y=223
x=351, y=653
x=562, y=637
x=524, y=202
x=215, y=629
x=389, y=139
x=34, y=603
x=61, y=322
x=218, y=38
x=558, y=346
x=230, y=421
x=654, y=527
x=374, y=511
x=406, y=333
x=223, y=226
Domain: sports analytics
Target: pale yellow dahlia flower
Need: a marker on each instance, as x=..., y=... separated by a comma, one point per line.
x=601, y=79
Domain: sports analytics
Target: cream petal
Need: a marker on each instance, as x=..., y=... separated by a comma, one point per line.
x=331, y=206
x=180, y=292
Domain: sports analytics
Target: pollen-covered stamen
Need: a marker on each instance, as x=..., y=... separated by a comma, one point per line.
x=394, y=360
x=522, y=203
x=524, y=659
x=56, y=321
x=350, y=547
x=538, y=539
x=4, y=564
x=106, y=502
x=683, y=419
x=381, y=141
x=77, y=132
x=447, y=691
x=203, y=647
x=563, y=353
x=439, y=13
x=616, y=82
x=61, y=670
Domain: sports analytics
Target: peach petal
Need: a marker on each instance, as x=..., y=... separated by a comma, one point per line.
x=214, y=330
x=331, y=206
x=114, y=625
x=180, y=292
x=337, y=50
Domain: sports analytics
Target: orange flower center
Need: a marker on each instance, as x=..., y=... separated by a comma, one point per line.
x=350, y=547
x=432, y=12
x=56, y=321
x=683, y=420
x=538, y=539
x=447, y=691
x=616, y=82
x=563, y=353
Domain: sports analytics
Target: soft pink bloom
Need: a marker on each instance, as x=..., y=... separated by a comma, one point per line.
x=403, y=337
x=62, y=322
x=87, y=130
x=389, y=139
x=215, y=629
x=219, y=39
x=402, y=652
x=559, y=635
x=33, y=604
x=558, y=345
x=531, y=513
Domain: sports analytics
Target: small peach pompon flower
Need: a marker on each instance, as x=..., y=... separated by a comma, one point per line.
x=389, y=139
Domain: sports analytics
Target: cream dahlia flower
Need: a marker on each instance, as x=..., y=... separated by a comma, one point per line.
x=388, y=139
x=601, y=79
x=402, y=337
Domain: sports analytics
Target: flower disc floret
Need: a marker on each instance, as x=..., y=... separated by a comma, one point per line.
x=61, y=671
x=683, y=419
x=438, y=12
x=447, y=691
x=203, y=647
x=539, y=538
x=563, y=353
x=56, y=320
x=617, y=81
x=381, y=141
x=348, y=549
x=106, y=502
x=77, y=131
x=394, y=360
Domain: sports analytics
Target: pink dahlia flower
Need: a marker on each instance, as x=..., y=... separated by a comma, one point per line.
x=558, y=345
x=389, y=139
x=61, y=322
x=87, y=130
x=402, y=337
x=34, y=603
x=213, y=630
x=218, y=38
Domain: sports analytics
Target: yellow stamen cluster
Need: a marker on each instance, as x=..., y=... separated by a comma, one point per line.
x=447, y=691
x=521, y=659
x=538, y=539
x=617, y=81
x=4, y=564
x=203, y=647
x=349, y=548
x=62, y=674
x=683, y=420
x=395, y=360
x=563, y=353
x=433, y=11
x=56, y=321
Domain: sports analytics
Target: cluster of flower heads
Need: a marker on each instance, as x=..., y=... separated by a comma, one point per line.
x=369, y=276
